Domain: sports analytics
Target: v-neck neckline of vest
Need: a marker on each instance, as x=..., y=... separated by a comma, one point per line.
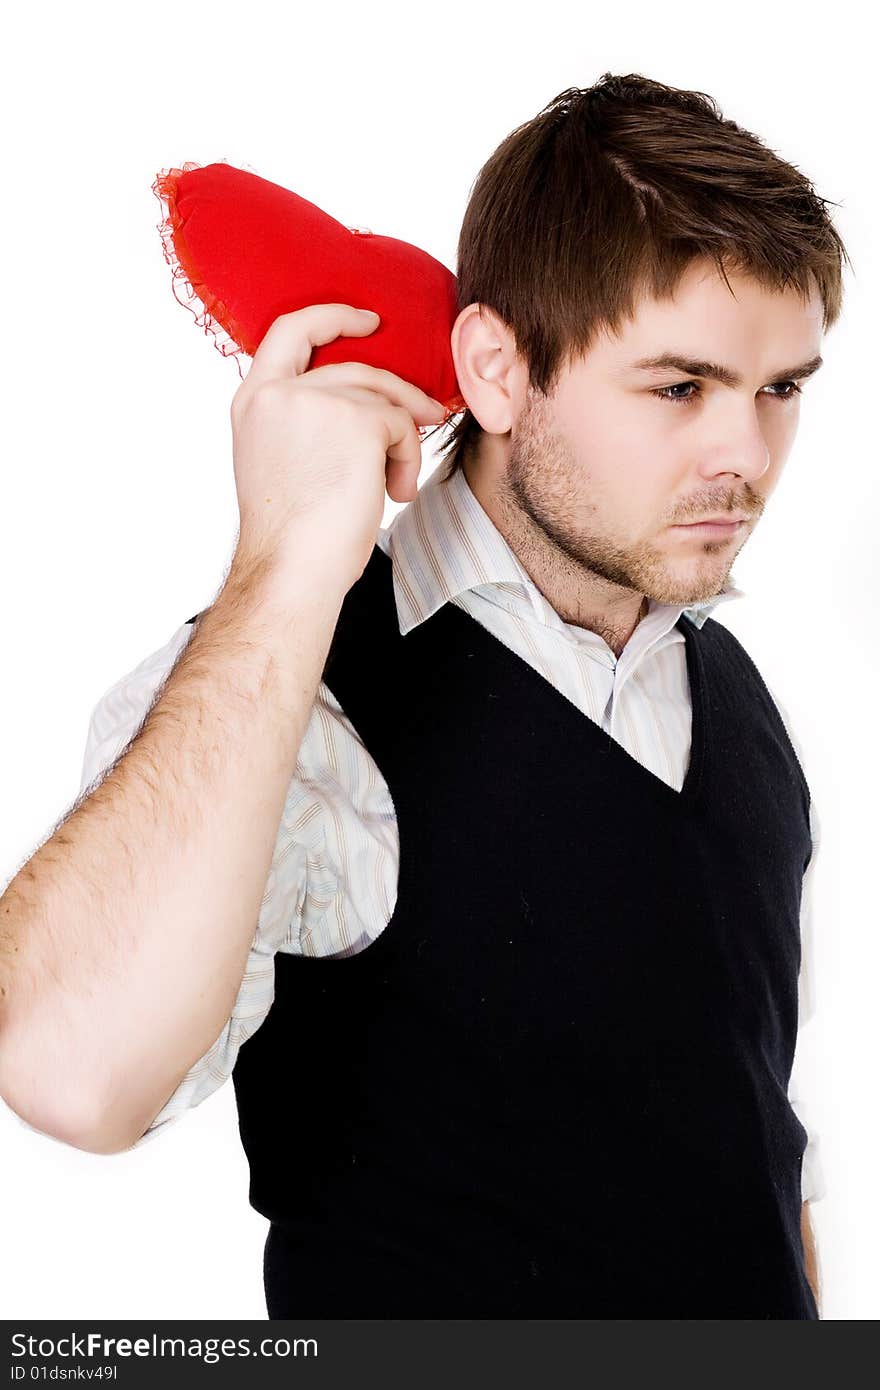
x=528, y=674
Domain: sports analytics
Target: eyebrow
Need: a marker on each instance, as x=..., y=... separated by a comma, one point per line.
x=672, y=362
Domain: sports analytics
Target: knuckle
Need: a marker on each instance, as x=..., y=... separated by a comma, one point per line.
x=359, y=373
x=274, y=394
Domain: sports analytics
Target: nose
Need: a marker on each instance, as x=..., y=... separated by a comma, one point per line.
x=741, y=453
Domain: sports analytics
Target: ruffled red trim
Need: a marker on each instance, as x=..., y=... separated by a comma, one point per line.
x=210, y=313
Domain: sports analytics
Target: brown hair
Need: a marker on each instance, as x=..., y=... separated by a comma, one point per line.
x=609, y=193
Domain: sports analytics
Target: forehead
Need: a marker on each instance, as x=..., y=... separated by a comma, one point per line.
x=708, y=317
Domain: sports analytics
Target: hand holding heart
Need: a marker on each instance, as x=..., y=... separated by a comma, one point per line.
x=245, y=250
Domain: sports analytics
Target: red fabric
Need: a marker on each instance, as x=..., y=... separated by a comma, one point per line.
x=248, y=250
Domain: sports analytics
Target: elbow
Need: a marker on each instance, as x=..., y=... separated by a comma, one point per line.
x=58, y=1108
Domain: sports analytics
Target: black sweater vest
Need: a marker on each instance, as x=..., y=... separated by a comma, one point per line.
x=555, y=1085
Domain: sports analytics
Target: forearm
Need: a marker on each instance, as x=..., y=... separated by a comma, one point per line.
x=811, y=1259
x=124, y=938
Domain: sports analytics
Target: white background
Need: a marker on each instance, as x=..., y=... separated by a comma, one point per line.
x=119, y=511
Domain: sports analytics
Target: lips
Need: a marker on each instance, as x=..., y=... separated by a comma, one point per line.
x=710, y=530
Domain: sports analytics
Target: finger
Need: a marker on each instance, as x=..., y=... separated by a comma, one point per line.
x=287, y=345
x=403, y=459
x=362, y=376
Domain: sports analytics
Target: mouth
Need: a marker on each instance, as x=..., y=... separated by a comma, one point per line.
x=710, y=529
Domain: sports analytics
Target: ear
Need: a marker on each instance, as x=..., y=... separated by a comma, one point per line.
x=492, y=376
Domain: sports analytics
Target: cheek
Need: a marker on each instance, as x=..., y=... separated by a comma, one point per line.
x=624, y=471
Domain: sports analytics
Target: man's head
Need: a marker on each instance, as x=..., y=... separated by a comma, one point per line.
x=625, y=222
x=606, y=471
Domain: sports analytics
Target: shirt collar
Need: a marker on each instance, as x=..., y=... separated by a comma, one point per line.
x=444, y=543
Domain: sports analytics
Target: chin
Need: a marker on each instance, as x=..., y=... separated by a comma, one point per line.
x=686, y=589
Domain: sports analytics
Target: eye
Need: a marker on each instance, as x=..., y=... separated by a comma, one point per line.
x=791, y=386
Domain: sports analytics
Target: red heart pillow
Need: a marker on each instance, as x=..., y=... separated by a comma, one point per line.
x=249, y=250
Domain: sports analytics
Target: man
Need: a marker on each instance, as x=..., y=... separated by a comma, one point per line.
x=455, y=1021
x=538, y=1064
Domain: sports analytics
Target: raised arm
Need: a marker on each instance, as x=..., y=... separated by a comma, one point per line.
x=125, y=937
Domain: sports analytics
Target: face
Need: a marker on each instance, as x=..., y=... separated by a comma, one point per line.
x=608, y=472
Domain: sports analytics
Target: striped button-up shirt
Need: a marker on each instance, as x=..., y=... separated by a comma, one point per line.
x=333, y=878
